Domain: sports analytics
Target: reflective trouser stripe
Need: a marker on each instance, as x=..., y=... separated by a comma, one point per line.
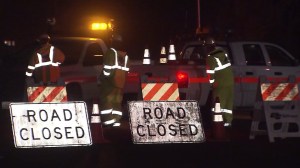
x=227, y=111
x=109, y=122
x=106, y=73
x=117, y=124
x=28, y=74
x=223, y=110
x=117, y=112
x=226, y=124
x=106, y=111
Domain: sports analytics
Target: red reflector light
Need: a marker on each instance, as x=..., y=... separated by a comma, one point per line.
x=181, y=76
x=182, y=79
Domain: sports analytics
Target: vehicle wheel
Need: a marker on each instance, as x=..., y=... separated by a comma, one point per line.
x=74, y=92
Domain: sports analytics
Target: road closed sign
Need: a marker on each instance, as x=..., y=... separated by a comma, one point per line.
x=37, y=125
x=165, y=122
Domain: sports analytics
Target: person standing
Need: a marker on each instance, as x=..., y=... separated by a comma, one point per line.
x=111, y=83
x=43, y=66
x=221, y=77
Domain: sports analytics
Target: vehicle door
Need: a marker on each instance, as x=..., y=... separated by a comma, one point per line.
x=282, y=63
x=193, y=60
x=250, y=63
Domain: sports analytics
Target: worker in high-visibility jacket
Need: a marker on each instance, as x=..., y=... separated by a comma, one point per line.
x=43, y=65
x=219, y=70
x=111, y=83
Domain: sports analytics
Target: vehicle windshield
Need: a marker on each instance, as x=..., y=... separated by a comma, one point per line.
x=71, y=49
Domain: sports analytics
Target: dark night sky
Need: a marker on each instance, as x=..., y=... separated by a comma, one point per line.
x=140, y=22
x=153, y=22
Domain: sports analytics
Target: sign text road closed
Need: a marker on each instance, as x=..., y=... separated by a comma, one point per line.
x=50, y=124
x=165, y=121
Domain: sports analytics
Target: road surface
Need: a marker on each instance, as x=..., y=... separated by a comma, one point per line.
x=239, y=151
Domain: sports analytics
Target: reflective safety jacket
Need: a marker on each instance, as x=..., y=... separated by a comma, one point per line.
x=112, y=82
x=44, y=64
x=115, y=68
x=219, y=68
x=221, y=76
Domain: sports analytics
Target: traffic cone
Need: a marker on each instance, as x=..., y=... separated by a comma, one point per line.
x=163, y=56
x=218, y=129
x=172, y=55
x=146, y=60
x=96, y=127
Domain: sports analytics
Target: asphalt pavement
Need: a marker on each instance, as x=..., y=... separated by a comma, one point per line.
x=236, y=151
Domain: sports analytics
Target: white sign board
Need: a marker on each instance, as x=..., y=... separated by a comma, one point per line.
x=50, y=124
x=165, y=122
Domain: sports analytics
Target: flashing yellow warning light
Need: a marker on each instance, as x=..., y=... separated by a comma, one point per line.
x=99, y=26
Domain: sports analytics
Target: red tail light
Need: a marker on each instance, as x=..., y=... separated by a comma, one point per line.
x=182, y=79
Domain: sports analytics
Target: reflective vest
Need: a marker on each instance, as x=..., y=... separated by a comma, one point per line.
x=108, y=68
x=112, y=81
x=219, y=67
x=44, y=64
x=220, y=73
x=114, y=70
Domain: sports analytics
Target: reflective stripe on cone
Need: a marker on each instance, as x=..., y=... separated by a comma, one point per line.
x=96, y=127
x=218, y=129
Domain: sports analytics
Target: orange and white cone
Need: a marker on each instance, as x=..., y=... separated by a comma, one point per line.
x=163, y=56
x=172, y=55
x=146, y=60
x=218, y=129
x=96, y=127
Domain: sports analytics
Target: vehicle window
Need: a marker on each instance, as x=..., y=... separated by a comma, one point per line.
x=71, y=49
x=278, y=57
x=94, y=55
x=194, y=53
x=254, y=55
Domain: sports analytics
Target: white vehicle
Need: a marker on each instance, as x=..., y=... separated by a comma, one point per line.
x=82, y=65
x=250, y=60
